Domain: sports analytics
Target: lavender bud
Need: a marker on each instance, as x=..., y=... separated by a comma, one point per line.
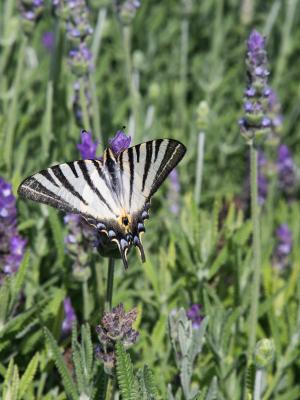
x=194, y=315
x=119, y=142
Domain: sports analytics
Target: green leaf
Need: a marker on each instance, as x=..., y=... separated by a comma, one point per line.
x=125, y=376
x=28, y=375
x=212, y=390
x=58, y=236
x=67, y=381
x=151, y=389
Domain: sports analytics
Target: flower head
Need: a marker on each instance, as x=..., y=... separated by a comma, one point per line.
x=256, y=123
x=194, y=315
x=30, y=11
x=87, y=147
x=119, y=142
x=115, y=326
x=127, y=9
x=286, y=169
x=81, y=60
x=70, y=317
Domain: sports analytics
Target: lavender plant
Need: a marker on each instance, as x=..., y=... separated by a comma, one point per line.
x=12, y=245
x=254, y=128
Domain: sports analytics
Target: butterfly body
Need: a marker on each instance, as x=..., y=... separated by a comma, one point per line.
x=112, y=194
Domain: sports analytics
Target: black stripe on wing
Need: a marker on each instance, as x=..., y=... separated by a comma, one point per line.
x=31, y=189
x=87, y=178
x=131, y=169
x=147, y=162
x=66, y=184
x=172, y=156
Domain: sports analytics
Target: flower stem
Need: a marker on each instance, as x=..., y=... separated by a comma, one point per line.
x=110, y=284
x=256, y=253
x=257, y=384
x=199, y=170
x=134, y=95
x=85, y=295
x=13, y=109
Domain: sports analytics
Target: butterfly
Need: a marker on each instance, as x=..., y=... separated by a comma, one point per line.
x=113, y=194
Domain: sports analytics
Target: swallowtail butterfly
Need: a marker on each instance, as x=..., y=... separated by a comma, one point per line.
x=113, y=195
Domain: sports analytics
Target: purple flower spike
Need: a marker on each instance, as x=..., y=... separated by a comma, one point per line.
x=70, y=316
x=286, y=169
x=12, y=245
x=283, y=248
x=194, y=314
x=87, y=147
x=119, y=142
x=255, y=42
x=256, y=119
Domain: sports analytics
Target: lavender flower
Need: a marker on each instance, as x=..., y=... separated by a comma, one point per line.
x=30, y=11
x=194, y=315
x=256, y=123
x=119, y=142
x=286, y=170
x=12, y=245
x=115, y=326
x=75, y=13
x=87, y=147
x=70, y=317
x=81, y=60
x=174, y=190
x=127, y=9
x=283, y=248
x=48, y=40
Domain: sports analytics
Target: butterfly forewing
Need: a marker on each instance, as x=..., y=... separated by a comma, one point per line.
x=76, y=187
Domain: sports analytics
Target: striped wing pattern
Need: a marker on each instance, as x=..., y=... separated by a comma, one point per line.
x=113, y=195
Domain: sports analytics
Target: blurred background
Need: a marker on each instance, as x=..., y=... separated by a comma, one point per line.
x=163, y=69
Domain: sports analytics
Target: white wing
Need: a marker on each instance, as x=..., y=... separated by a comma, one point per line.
x=144, y=167
x=81, y=187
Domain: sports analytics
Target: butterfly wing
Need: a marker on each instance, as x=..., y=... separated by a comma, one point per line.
x=112, y=195
x=145, y=167
x=78, y=187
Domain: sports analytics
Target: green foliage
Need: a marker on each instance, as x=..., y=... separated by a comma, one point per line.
x=178, y=68
x=134, y=386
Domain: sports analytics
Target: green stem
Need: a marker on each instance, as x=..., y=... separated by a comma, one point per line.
x=85, y=295
x=96, y=110
x=199, y=170
x=134, y=96
x=184, y=67
x=83, y=103
x=13, y=109
x=110, y=284
x=256, y=254
x=258, y=384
